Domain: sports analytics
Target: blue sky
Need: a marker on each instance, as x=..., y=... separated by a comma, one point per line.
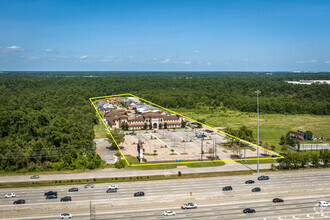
x=232, y=35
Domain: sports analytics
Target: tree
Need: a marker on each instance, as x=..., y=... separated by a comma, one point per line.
x=315, y=160
x=160, y=126
x=309, y=135
x=165, y=125
x=155, y=152
x=118, y=136
x=304, y=159
x=183, y=124
x=150, y=126
x=145, y=127
x=325, y=156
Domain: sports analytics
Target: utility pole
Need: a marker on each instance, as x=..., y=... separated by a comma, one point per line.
x=258, y=92
x=202, y=148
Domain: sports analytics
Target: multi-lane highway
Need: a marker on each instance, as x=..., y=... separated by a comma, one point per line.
x=300, y=190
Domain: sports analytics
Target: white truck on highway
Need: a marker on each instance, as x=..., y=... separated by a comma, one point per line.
x=323, y=204
x=115, y=186
x=10, y=195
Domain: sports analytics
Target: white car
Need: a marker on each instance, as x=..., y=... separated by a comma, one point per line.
x=323, y=204
x=166, y=213
x=10, y=195
x=113, y=186
x=65, y=215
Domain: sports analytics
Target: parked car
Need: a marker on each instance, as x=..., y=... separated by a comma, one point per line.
x=209, y=131
x=89, y=186
x=50, y=193
x=73, y=189
x=138, y=194
x=276, y=200
x=34, y=177
x=20, y=201
x=166, y=213
x=256, y=189
x=51, y=197
x=111, y=190
x=249, y=182
x=263, y=178
x=227, y=188
x=10, y=195
x=189, y=206
x=66, y=198
x=248, y=210
x=65, y=215
x=132, y=133
x=323, y=204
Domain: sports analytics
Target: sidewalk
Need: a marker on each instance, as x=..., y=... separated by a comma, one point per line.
x=112, y=172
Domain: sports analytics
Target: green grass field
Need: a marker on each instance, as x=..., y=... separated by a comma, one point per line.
x=100, y=130
x=272, y=126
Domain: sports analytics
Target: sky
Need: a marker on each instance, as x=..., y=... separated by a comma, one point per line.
x=165, y=35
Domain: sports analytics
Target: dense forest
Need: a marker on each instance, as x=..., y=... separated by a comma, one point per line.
x=46, y=120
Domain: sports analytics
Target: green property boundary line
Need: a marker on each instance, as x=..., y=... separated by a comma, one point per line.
x=184, y=162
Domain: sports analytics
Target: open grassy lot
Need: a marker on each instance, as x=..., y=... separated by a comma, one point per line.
x=134, y=160
x=100, y=130
x=272, y=126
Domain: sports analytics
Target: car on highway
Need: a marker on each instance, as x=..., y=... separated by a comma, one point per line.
x=227, y=188
x=50, y=193
x=66, y=198
x=323, y=204
x=248, y=210
x=34, y=177
x=138, y=194
x=20, y=201
x=132, y=133
x=89, y=186
x=73, y=189
x=249, y=182
x=263, y=178
x=256, y=189
x=189, y=206
x=65, y=215
x=167, y=213
x=51, y=197
x=115, y=186
x=10, y=195
x=111, y=190
x=276, y=200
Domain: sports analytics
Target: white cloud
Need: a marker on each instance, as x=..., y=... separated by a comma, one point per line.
x=83, y=57
x=165, y=61
x=196, y=51
x=49, y=50
x=328, y=61
x=208, y=64
x=313, y=61
x=300, y=61
x=15, y=48
x=155, y=58
x=187, y=62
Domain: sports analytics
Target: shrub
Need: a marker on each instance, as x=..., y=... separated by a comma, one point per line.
x=179, y=173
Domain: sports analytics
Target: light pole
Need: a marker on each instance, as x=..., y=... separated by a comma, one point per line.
x=258, y=92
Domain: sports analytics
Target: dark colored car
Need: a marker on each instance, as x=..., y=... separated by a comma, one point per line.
x=66, y=198
x=51, y=197
x=263, y=178
x=138, y=194
x=256, y=189
x=20, y=201
x=249, y=182
x=34, y=177
x=50, y=193
x=227, y=188
x=73, y=190
x=248, y=210
x=111, y=190
x=276, y=200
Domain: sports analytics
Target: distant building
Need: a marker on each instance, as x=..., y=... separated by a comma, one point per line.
x=309, y=82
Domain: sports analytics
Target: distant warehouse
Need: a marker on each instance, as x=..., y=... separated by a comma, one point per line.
x=309, y=82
